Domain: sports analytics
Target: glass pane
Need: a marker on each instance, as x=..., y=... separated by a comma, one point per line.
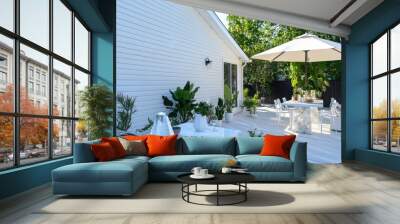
x=34, y=72
x=379, y=56
x=33, y=139
x=395, y=94
x=379, y=98
x=62, y=29
x=62, y=89
x=395, y=136
x=379, y=135
x=35, y=21
x=6, y=142
x=7, y=14
x=81, y=45
x=62, y=138
x=6, y=74
x=81, y=81
x=81, y=131
x=234, y=81
x=227, y=70
x=395, y=47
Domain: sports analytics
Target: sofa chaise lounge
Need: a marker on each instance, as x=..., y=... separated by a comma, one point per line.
x=125, y=176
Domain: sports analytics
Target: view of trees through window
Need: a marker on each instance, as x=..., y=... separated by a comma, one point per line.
x=40, y=82
x=385, y=92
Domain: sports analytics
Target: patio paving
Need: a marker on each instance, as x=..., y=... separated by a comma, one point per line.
x=323, y=148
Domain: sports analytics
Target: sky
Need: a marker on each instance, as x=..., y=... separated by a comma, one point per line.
x=35, y=27
x=222, y=17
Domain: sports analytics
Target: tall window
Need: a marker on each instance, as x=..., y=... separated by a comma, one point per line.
x=230, y=78
x=44, y=64
x=385, y=92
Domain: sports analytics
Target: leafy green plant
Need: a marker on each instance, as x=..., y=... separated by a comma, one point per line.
x=97, y=104
x=147, y=127
x=230, y=98
x=182, y=104
x=204, y=108
x=126, y=108
x=250, y=103
x=220, y=109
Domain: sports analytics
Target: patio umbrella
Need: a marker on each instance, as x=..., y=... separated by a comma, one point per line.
x=305, y=48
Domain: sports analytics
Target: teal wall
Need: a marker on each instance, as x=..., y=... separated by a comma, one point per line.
x=102, y=58
x=355, y=136
x=99, y=15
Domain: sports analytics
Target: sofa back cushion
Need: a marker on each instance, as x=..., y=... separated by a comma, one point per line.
x=198, y=145
x=249, y=145
x=83, y=152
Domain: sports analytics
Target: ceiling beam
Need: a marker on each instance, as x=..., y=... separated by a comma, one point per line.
x=346, y=11
x=270, y=15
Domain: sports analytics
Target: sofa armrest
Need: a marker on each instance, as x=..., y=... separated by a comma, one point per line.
x=83, y=152
x=298, y=155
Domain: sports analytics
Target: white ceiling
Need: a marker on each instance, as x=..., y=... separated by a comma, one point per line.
x=325, y=16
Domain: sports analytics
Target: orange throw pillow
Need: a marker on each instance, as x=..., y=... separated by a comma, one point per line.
x=161, y=145
x=135, y=137
x=103, y=152
x=116, y=145
x=277, y=145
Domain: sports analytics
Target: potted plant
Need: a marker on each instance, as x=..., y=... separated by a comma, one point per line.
x=250, y=103
x=97, y=104
x=219, y=111
x=200, y=118
x=230, y=100
x=181, y=104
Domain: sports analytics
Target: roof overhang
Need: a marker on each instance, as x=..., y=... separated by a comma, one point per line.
x=215, y=23
x=326, y=16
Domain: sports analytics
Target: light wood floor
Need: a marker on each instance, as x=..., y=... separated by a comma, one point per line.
x=378, y=189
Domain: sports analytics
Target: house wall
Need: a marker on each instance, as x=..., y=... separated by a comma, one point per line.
x=355, y=136
x=160, y=45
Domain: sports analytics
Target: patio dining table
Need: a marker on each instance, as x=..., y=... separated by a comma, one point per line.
x=302, y=114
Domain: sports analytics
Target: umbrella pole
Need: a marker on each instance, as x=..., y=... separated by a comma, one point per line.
x=305, y=68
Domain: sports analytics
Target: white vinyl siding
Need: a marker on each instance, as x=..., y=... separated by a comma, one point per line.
x=161, y=45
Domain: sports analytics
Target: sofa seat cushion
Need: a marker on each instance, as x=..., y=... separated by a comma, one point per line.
x=113, y=171
x=257, y=163
x=185, y=163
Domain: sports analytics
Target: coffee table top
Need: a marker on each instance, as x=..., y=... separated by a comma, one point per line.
x=220, y=178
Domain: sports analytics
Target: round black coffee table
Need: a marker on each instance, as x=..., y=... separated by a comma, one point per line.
x=238, y=179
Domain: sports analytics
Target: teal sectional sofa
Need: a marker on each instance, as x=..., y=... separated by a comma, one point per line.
x=125, y=176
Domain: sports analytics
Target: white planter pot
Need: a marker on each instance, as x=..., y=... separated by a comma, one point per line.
x=200, y=122
x=228, y=117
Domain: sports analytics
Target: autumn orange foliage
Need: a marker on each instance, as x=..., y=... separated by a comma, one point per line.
x=33, y=131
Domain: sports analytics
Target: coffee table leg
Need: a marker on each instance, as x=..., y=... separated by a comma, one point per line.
x=245, y=193
x=217, y=194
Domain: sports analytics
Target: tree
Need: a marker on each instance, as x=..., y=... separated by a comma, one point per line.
x=255, y=36
x=33, y=131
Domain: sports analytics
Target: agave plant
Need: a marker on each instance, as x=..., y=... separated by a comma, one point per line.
x=182, y=104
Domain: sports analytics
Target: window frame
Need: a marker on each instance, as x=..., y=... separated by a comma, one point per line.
x=231, y=66
x=388, y=74
x=16, y=114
